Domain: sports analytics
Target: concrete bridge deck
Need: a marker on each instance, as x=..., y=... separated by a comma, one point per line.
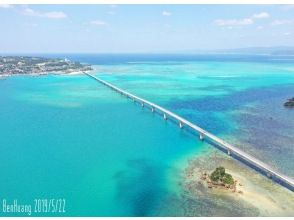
x=250, y=160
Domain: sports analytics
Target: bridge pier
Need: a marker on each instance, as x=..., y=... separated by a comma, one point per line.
x=142, y=104
x=201, y=136
x=164, y=116
x=229, y=152
x=181, y=124
x=269, y=175
x=152, y=109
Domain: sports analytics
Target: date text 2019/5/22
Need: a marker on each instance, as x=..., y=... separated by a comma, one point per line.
x=49, y=205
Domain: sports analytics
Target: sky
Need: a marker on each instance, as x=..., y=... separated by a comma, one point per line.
x=142, y=28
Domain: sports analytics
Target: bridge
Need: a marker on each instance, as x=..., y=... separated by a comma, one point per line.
x=240, y=155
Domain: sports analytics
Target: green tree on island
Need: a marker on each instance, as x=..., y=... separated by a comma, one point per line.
x=220, y=175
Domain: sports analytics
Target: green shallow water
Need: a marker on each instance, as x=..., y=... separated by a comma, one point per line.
x=70, y=137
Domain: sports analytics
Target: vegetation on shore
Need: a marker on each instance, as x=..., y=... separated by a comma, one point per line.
x=10, y=65
x=289, y=103
x=220, y=175
x=219, y=178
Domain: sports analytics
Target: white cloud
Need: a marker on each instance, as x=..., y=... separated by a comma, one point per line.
x=5, y=6
x=282, y=22
x=55, y=14
x=233, y=22
x=287, y=34
x=50, y=14
x=166, y=13
x=240, y=22
x=261, y=15
x=98, y=23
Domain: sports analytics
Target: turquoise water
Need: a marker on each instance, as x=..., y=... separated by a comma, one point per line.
x=70, y=137
x=240, y=101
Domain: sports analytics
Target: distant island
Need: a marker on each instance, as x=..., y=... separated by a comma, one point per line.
x=289, y=103
x=275, y=51
x=15, y=65
x=247, y=51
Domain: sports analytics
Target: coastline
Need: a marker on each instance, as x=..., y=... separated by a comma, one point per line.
x=4, y=76
x=258, y=192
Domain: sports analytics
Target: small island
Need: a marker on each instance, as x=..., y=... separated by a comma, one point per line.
x=289, y=103
x=15, y=65
x=220, y=179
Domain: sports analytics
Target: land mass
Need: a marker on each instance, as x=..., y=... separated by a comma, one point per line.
x=274, y=51
x=14, y=65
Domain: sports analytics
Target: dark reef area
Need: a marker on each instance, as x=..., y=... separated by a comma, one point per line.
x=289, y=103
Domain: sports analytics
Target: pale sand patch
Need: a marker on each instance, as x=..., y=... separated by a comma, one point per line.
x=73, y=73
x=268, y=204
x=268, y=197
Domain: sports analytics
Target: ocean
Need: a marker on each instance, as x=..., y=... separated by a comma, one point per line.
x=69, y=137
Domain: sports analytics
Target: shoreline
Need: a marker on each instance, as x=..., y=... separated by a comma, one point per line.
x=4, y=76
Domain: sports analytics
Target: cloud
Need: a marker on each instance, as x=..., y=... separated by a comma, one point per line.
x=166, y=13
x=55, y=14
x=261, y=15
x=282, y=22
x=98, y=23
x=50, y=14
x=5, y=6
x=233, y=22
x=240, y=22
